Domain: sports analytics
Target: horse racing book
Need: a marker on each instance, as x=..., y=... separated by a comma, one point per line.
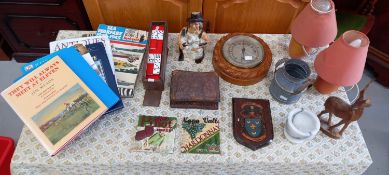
x=59, y=99
x=200, y=136
x=155, y=134
x=128, y=46
x=101, y=66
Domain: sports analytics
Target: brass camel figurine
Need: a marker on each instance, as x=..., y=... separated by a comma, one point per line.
x=341, y=109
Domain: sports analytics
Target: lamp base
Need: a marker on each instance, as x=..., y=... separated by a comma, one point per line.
x=296, y=50
x=324, y=87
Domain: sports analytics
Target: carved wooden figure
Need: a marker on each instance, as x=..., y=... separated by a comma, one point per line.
x=341, y=109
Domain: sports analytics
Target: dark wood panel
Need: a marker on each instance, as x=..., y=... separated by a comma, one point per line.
x=33, y=2
x=5, y=50
x=29, y=25
x=378, y=57
x=34, y=32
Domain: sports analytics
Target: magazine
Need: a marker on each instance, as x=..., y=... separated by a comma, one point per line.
x=128, y=46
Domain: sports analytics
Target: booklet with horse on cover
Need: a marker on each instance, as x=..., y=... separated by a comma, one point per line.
x=59, y=99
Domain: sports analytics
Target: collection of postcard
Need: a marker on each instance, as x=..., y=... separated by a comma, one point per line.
x=157, y=134
x=61, y=94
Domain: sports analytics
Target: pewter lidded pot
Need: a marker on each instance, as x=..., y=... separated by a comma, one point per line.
x=290, y=80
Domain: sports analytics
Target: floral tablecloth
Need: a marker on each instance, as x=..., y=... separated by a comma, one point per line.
x=105, y=147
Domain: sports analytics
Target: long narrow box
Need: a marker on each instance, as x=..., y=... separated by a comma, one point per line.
x=155, y=60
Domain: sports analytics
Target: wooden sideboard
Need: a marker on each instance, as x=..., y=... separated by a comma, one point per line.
x=378, y=56
x=5, y=50
x=29, y=25
x=138, y=14
x=251, y=16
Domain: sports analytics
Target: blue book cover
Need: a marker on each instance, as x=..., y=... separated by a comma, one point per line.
x=72, y=57
x=97, y=51
x=82, y=69
x=100, y=62
x=59, y=99
x=28, y=67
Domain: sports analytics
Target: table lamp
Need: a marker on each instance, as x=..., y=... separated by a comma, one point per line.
x=342, y=63
x=314, y=27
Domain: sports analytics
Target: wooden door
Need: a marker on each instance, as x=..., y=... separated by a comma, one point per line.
x=138, y=13
x=250, y=16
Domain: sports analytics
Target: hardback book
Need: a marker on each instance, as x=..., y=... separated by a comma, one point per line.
x=59, y=99
x=200, y=136
x=83, y=41
x=100, y=64
x=27, y=68
x=101, y=60
x=155, y=134
x=128, y=46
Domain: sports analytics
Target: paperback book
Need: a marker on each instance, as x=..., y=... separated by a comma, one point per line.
x=59, y=99
x=128, y=46
x=69, y=34
x=200, y=136
x=155, y=134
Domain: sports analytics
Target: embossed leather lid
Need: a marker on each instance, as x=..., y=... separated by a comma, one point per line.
x=187, y=86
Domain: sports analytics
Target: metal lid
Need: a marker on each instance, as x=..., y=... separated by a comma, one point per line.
x=292, y=77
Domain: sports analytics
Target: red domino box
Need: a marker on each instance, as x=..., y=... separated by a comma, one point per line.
x=153, y=82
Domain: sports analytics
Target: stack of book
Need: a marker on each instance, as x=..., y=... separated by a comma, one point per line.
x=58, y=96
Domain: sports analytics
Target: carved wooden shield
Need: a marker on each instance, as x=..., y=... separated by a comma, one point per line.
x=252, y=123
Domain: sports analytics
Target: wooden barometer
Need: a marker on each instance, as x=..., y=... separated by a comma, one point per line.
x=241, y=59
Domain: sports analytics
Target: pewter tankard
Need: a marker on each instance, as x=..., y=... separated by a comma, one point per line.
x=290, y=80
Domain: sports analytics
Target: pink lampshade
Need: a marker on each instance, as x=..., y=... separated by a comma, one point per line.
x=315, y=26
x=342, y=63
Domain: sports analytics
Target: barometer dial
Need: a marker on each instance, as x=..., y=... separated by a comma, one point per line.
x=243, y=51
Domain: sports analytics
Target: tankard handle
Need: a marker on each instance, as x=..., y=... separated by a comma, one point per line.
x=305, y=86
x=279, y=62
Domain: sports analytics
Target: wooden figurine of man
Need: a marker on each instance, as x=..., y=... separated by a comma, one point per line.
x=192, y=39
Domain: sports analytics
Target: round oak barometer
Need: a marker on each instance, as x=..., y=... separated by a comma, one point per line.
x=241, y=59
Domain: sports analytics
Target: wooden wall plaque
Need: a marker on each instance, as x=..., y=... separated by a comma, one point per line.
x=252, y=123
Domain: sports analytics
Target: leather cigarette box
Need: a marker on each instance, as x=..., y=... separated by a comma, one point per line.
x=199, y=90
